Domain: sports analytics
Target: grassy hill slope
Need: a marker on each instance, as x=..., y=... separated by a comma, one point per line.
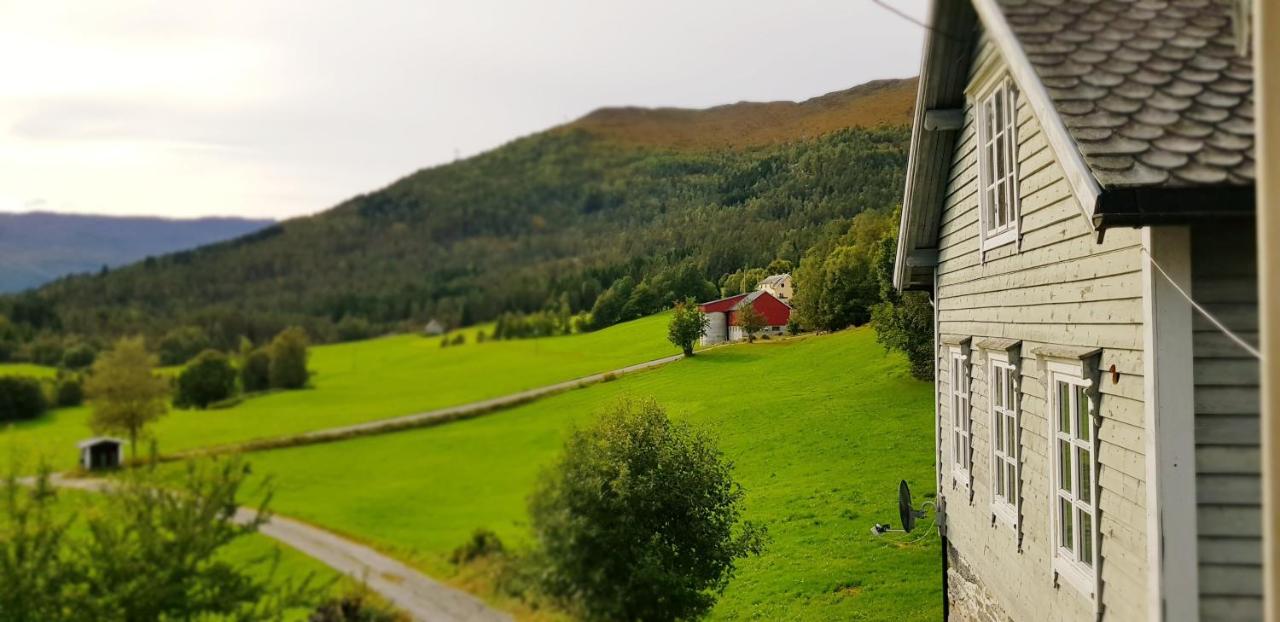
x=556, y=216
x=365, y=381
x=821, y=430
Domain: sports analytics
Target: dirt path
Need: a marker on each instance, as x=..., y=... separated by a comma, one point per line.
x=414, y=593
x=423, y=419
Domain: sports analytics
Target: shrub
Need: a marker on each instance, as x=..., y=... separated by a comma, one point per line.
x=182, y=344
x=209, y=377
x=255, y=371
x=46, y=350
x=68, y=391
x=289, y=359
x=458, y=339
x=639, y=519
x=78, y=356
x=21, y=398
x=353, y=328
x=357, y=605
x=482, y=543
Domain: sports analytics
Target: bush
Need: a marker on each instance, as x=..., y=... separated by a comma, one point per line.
x=21, y=398
x=255, y=371
x=482, y=543
x=78, y=356
x=182, y=344
x=46, y=350
x=208, y=378
x=357, y=605
x=288, y=368
x=639, y=519
x=458, y=339
x=353, y=328
x=68, y=391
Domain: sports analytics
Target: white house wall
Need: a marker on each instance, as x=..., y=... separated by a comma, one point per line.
x=1057, y=286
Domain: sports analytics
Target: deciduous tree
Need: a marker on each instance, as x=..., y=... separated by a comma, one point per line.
x=289, y=359
x=688, y=322
x=124, y=392
x=750, y=321
x=639, y=519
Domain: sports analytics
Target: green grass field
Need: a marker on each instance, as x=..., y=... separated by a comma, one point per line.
x=27, y=369
x=365, y=381
x=821, y=430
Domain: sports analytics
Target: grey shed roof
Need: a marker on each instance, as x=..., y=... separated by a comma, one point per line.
x=1153, y=91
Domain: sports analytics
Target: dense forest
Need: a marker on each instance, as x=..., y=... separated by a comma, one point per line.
x=565, y=221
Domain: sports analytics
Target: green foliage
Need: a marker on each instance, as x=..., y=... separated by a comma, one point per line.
x=356, y=605
x=639, y=519
x=125, y=394
x=21, y=398
x=482, y=543
x=255, y=371
x=147, y=552
x=46, y=350
x=512, y=230
x=181, y=344
x=836, y=283
x=353, y=328
x=688, y=322
x=79, y=355
x=903, y=321
x=208, y=378
x=288, y=367
x=68, y=390
x=750, y=321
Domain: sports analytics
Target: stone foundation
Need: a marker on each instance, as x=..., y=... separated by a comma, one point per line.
x=969, y=600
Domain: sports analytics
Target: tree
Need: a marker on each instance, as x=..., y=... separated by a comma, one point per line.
x=181, y=344
x=639, y=519
x=208, y=378
x=903, y=321
x=255, y=371
x=750, y=321
x=779, y=266
x=78, y=356
x=147, y=552
x=688, y=323
x=21, y=398
x=124, y=393
x=289, y=359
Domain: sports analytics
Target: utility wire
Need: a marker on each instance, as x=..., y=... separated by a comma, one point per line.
x=1208, y=316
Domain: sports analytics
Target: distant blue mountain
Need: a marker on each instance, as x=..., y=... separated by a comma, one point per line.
x=38, y=247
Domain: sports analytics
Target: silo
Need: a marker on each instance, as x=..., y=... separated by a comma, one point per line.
x=716, y=331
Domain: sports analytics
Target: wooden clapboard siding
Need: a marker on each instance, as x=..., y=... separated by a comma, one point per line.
x=1228, y=485
x=1057, y=286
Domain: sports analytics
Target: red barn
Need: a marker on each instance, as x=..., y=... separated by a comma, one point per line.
x=723, y=316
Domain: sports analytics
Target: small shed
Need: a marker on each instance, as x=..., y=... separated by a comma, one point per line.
x=101, y=453
x=433, y=328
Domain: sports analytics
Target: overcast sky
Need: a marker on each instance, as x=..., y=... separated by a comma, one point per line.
x=266, y=108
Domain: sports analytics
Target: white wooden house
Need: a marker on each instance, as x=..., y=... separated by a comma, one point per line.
x=1076, y=168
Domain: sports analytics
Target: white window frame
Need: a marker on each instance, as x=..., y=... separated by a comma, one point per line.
x=1067, y=561
x=958, y=399
x=997, y=115
x=1006, y=437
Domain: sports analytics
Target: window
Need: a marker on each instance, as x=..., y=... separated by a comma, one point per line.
x=961, y=437
x=998, y=164
x=1005, y=476
x=1075, y=486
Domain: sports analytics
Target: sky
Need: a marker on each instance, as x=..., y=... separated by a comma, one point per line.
x=274, y=109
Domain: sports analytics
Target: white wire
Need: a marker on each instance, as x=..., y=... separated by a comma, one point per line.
x=1208, y=316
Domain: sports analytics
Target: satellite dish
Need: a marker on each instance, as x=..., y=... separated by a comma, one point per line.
x=907, y=512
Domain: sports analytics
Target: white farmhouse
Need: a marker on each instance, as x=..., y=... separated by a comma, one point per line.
x=1075, y=169
x=779, y=285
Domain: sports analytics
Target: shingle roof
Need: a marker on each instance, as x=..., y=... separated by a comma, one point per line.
x=1153, y=91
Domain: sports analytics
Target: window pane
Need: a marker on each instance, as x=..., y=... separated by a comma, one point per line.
x=1084, y=475
x=1064, y=407
x=1082, y=415
x=955, y=446
x=999, y=472
x=1086, y=537
x=998, y=427
x=1011, y=437
x=997, y=384
x=1064, y=465
x=1012, y=478
x=1066, y=531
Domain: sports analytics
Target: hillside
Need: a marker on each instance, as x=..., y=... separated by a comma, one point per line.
x=550, y=220
x=38, y=247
